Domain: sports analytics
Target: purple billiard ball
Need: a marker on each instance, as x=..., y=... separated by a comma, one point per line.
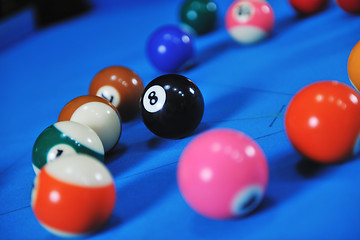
x=170, y=48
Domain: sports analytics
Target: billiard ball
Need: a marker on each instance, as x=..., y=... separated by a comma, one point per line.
x=353, y=66
x=249, y=21
x=308, y=7
x=97, y=113
x=122, y=87
x=350, y=6
x=63, y=139
x=222, y=173
x=199, y=15
x=172, y=106
x=322, y=121
x=170, y=49
x=74, y=196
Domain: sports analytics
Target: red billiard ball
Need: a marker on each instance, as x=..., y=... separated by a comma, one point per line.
x=307, y=7
x=74, y=196
x=350, y=6
x=122, y=87
x=322, y=121
x=223, y=173
x=98, y=114
x=249, y=21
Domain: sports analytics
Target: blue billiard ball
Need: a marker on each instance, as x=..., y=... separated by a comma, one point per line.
x=170, y=48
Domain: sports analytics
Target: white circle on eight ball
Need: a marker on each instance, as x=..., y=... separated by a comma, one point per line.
x=154, y=99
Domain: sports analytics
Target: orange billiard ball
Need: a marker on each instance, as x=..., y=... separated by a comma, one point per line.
x=98, y=114
x=353, y=66
x=74, y=196
x=122, y=87
x=322, y=121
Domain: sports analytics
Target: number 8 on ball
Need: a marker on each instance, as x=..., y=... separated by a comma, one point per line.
x=154, y=99
x=172, y=106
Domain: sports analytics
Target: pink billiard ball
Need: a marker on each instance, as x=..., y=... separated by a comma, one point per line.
x=249, y=21
x=307, y=7
x=350, y=6
x=222, y=173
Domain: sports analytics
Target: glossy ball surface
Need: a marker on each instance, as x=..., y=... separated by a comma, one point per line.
x=97, y=113
x=63, y=139
x=322, y=121
x=122, y=87
x=350, y=6
x=249, y=21
x=172, y=106
x=199, y=15
x=74, y=196
x=170, y=48
x=353, y=66
x=223, y=173
x=308, y=7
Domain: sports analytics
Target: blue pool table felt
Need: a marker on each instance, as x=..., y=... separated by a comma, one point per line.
x=245, y=87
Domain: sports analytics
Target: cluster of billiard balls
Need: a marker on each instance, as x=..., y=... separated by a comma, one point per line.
x=170, y=48
x=222, y=173
x=74, y=193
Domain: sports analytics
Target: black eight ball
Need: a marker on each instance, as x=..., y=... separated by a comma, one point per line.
x=172, y=106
